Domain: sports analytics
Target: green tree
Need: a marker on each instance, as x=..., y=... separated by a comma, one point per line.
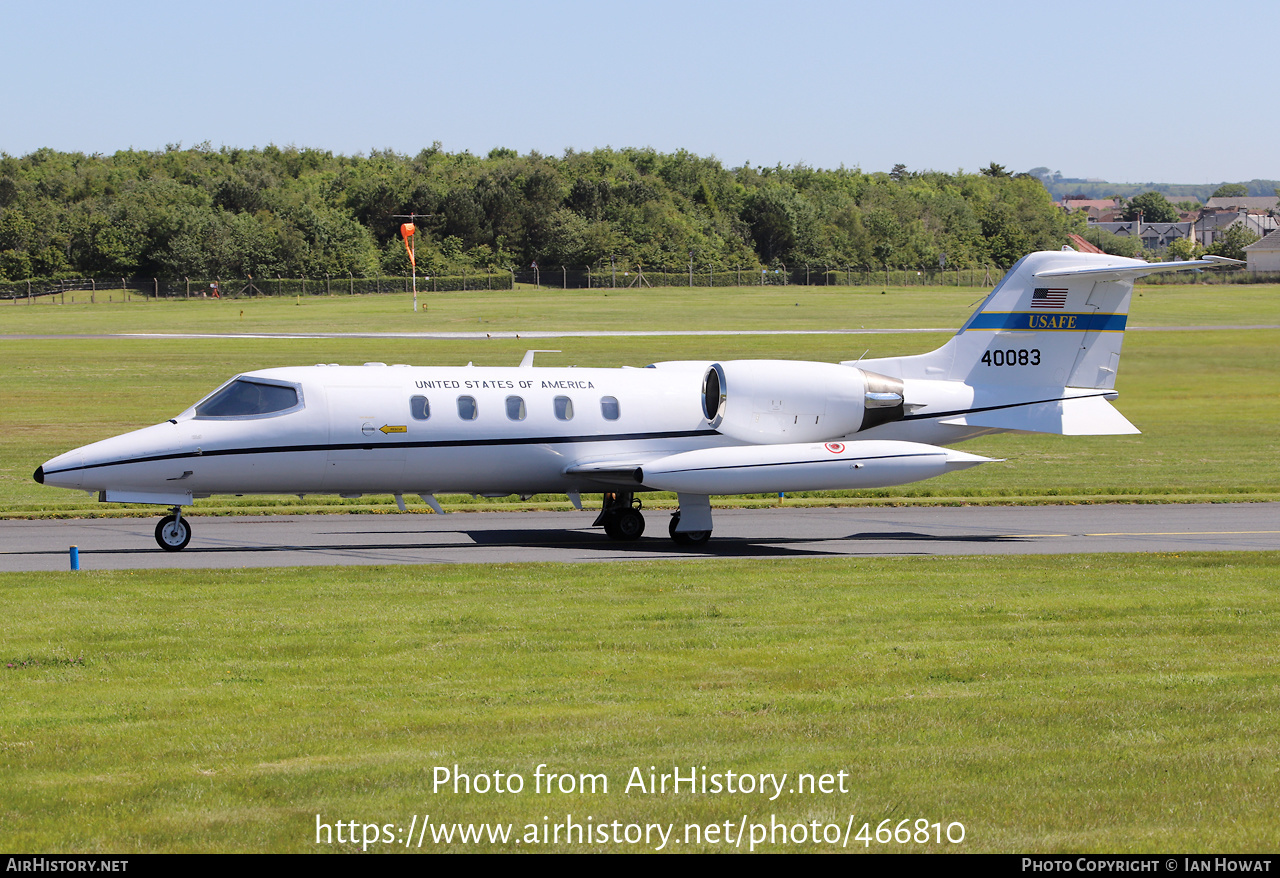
x=1184, y=248
x=1116, y=245
x=1153, y=206
x=1232, y=244
x=1230, y=190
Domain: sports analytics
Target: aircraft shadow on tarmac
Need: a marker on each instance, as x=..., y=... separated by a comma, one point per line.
x=573, y=539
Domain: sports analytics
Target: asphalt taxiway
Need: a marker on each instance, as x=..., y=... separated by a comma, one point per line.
x=502, y=537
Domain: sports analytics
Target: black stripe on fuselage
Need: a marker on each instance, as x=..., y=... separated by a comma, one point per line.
x=438, y=443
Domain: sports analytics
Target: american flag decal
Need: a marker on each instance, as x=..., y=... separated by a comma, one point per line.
x=1046, y=297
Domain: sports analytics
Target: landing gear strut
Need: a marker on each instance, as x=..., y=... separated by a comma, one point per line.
x=173, y=532
x=621, y=516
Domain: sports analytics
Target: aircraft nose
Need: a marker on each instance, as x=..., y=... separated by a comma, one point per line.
x=39, y=475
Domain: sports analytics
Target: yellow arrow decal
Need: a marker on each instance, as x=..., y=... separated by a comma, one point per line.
x=390, y=429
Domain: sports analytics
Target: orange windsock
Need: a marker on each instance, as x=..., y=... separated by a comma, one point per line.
x=406, y=232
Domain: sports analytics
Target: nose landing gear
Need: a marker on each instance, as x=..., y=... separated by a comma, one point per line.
x=173, y=532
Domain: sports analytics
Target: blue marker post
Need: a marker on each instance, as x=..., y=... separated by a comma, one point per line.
x=75, y=558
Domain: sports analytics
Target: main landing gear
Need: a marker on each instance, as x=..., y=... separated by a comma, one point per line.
x=621, y=516
x=622, y=519
x=687, y=538
x=173, y=532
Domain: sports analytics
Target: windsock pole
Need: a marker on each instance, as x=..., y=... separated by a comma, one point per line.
x=406, y=232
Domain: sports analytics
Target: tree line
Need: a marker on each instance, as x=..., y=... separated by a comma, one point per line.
x=204, y=212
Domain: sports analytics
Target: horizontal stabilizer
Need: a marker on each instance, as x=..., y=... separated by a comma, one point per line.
x=1085, y=416
x=1131, y=272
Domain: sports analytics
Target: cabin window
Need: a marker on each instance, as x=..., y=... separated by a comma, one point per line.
x=515, y=408
x=467, y=408
x=419, y=408
x=243, y=398
x=564, y=408
x=609, y=407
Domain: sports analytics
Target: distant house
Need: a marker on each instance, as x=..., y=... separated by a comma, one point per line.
x=1097, y=209
x=1264, y=255
x=1250, y=203
x=1156, y=237
x=1074, y=204
x=1213, y=224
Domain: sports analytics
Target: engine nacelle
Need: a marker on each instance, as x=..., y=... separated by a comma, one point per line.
x=772, y=402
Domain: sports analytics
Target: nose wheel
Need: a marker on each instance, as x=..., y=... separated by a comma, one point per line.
x=173, y=532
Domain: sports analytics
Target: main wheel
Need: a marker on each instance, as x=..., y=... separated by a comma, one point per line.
x=173, y=533
x=628, y=524
x=691, y=538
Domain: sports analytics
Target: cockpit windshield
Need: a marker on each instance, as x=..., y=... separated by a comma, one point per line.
x=244, y=398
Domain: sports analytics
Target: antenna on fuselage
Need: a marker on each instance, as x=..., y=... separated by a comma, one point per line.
x=527, y=362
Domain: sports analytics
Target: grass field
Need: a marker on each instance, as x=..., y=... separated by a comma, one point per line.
x=1089, y=703
x=1208, y=402
x=660, y=309
x=1123, y=703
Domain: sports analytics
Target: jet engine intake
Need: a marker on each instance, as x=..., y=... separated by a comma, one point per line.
x=774, y=402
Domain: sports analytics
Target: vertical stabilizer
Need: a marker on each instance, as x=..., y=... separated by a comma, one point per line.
x=1056, y=319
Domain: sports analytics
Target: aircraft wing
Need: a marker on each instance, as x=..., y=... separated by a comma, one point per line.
x=616, y=471
x=810, y=466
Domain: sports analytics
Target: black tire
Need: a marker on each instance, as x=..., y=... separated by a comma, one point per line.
x=173, y=533
x=692, y=538
x=610, y=525
x=628, y=526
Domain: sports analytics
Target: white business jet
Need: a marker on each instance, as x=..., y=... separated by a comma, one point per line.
x=1040, y=356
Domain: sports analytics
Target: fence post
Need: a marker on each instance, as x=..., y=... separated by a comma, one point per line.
x=156, y=284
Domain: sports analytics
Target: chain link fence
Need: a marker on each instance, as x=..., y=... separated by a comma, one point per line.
x=112, y=289
x=538, y=277
x=614, y=277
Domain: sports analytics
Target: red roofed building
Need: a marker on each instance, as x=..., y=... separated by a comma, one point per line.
x=1082, y=245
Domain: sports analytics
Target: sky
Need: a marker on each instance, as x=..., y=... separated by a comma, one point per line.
x=1169, y=92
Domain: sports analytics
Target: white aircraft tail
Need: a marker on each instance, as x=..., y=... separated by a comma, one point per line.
x=1056, y=319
